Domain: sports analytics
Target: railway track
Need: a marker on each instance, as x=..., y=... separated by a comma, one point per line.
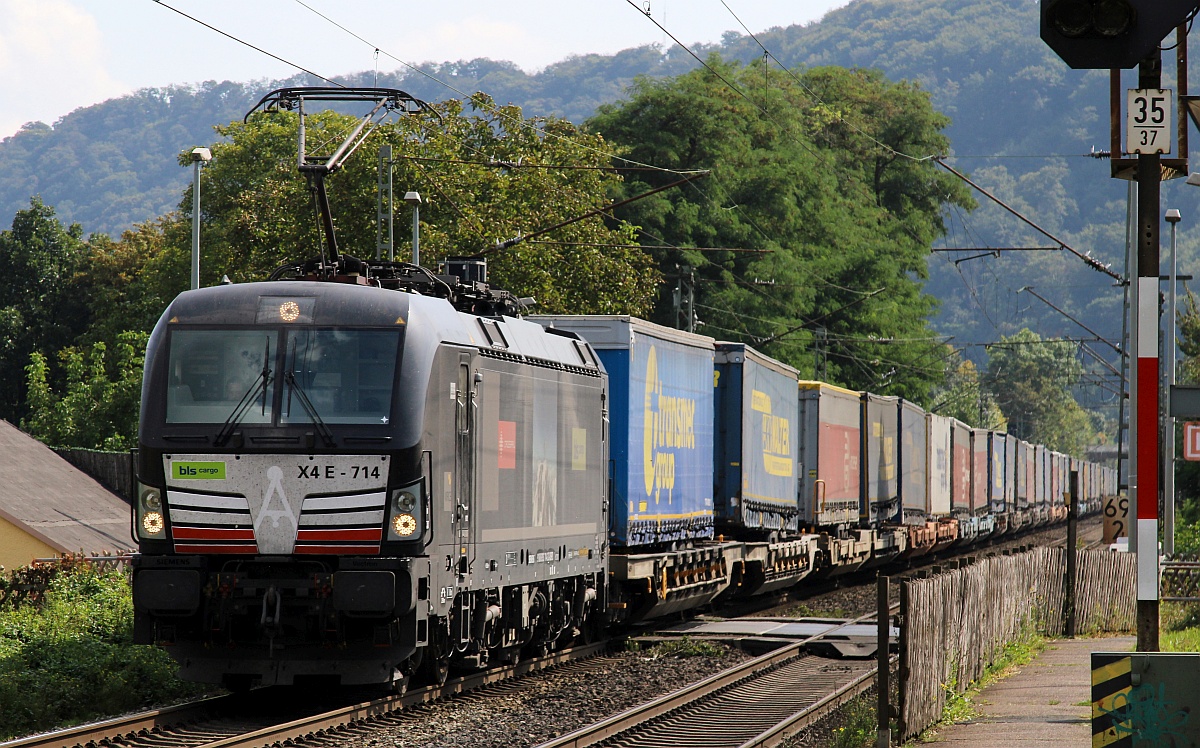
x=773, y=697
x=222, y=722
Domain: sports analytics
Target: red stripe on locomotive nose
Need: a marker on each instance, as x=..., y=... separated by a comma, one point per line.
x=348, y=550
x=211, y=533
x=368, y=533
x=248, y=548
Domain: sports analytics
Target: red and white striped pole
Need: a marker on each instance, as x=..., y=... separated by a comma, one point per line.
x=1144, y=416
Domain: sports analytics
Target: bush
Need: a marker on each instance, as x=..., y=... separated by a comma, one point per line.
x=71, y=659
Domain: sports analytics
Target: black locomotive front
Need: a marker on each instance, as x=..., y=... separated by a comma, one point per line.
x=281, y=502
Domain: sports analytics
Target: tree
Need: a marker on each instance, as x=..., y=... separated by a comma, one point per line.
x=964, y=397
x=98, y=406
x=814, y=227
x=1031, y=380
x=129, y=282
x=39, y=256
x=485, y=177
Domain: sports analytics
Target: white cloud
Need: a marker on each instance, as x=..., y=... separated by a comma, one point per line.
x=52, y=61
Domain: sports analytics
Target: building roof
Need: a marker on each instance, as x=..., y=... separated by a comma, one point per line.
x=55, y=502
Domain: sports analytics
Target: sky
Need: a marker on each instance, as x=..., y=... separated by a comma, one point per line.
x=59, y=55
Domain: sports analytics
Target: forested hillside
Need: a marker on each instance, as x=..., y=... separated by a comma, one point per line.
x=1021, y=124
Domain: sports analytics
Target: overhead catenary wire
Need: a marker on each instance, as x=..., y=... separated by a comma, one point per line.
x=245, y=43
x=1091, y=261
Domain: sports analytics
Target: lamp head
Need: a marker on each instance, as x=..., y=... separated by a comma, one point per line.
x=412, y=198
x=201, y=154
x=1173, y=215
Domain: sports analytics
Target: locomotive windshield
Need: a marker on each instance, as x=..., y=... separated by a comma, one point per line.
x=346, y=376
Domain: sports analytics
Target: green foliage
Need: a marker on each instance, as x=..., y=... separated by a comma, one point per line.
x=130, y=281
x=1031, y=380
x=838, y=224
x=72, y=658
x=98, y=408
x=960, y=704
x=112, y=165
x=485, y=177
x=39, y=256
x=859, y=730
x=964, y=397
x=682, y=647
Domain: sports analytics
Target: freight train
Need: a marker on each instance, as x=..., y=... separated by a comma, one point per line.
x=344, y=480
x=360, y=471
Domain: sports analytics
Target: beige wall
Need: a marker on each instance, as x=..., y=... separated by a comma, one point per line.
x=18, y=548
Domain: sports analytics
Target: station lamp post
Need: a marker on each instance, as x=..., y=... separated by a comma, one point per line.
x=199, y=156
x=414, y=199
x=1173, y=218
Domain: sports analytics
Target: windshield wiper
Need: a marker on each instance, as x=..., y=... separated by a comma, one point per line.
x=239, y=411
x=309, y=408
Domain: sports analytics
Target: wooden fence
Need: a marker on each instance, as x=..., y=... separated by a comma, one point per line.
x=113, y=470
x=954, y=624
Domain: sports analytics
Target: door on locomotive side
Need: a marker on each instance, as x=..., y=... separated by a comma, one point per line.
x=540, y=457
x=465, y=409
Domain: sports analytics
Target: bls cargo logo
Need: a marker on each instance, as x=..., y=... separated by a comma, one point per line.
x=776, y=437
x=669, y=424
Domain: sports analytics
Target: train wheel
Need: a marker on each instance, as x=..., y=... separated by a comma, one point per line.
x=436, y=669
x=400, y=683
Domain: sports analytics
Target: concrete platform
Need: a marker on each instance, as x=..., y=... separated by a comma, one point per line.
x=1047, y=703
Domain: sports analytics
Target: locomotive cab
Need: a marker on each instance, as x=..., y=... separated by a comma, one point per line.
x=282, y=502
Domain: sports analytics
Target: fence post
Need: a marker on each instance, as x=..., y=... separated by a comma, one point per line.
x=884, y=732
x=1069, y=582
x=902, y=681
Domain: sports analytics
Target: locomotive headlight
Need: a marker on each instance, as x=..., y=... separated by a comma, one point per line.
x=405, y=501
x=406, y=512
x=404, y=525
x=152, y=523
x=152, y=499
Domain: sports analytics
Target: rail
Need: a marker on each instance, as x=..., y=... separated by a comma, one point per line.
x=181, y=726
x=788, y=688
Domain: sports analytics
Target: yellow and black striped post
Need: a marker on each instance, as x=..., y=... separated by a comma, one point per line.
x=1112, y=682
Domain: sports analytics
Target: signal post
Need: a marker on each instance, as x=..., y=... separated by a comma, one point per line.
x=1114, y=35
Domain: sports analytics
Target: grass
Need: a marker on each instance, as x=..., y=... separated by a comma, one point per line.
x=71, y=659
x=961, y=707
x=682, y=647
x=860, y=728
x=1179, y=627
